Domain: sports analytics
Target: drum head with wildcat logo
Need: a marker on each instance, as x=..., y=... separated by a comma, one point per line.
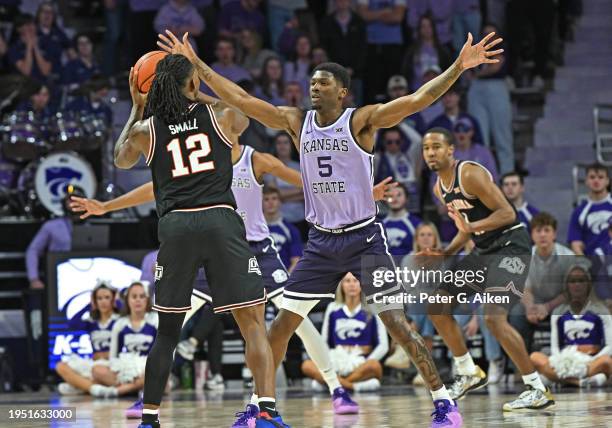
x=55, y=173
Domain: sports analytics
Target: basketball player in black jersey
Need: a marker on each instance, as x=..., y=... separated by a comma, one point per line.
x=186, y=144
x=483, y=214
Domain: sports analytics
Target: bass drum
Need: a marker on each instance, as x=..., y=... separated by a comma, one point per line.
x=42, y=184
x=23, y=136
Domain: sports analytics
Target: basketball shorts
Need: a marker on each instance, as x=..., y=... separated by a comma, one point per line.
x=214, y=239
x=273, y=271
x=328, y=257
x=504, y=267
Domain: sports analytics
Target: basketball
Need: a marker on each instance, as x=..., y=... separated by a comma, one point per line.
x=145, y=67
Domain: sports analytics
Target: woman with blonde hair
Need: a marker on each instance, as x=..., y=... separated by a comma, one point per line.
x=357, y=340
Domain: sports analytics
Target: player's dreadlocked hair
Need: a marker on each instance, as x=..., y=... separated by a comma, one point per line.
x=166, y=100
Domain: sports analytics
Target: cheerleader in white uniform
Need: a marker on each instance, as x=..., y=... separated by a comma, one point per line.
x=357, y=340
x=131, y=340
x=76, y=371
x=581, y=336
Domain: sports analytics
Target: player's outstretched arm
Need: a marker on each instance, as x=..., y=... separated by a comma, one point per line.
x=134, y=138
x=477, y=182
x=265, y=163
x=138, y=196
x=391, y=113
x=286, y=118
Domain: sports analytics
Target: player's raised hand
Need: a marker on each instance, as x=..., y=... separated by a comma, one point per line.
x=383, y=189
x=138, y=98
x=480, y=53
x=171, y=44
x=87, y=206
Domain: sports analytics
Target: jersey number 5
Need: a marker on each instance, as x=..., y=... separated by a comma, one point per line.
x=201, y=144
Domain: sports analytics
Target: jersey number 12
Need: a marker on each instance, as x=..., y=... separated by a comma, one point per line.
x=201, y=144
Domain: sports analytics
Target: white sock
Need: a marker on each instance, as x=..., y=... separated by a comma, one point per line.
x=254, y=400
x=465, y=365
x=319, y=352
x=150, y=411
x=441, y=394
x=534, y=380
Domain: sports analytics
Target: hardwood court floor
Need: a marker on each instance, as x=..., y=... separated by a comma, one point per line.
x=392, y=407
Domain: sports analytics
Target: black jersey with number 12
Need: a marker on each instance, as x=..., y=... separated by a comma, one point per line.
x=191, y=162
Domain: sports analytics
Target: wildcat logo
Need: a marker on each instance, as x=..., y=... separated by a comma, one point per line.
x=349, y=328
x=254, y=266
x=159, y=272
x=578, y=329
x=58, y=178
x=279, y=276
x=513, y=265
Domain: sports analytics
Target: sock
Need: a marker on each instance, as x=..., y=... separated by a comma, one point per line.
x=441, y=394
x=150, y=415
x=268, y=405
x=319, y=352
x=465, y=365
x=534, y=380
x=254, y=400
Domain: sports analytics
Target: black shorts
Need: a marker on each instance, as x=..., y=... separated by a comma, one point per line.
x=215, y=239
x=502, y=269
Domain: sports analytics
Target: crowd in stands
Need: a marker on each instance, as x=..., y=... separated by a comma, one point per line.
x=391, y=47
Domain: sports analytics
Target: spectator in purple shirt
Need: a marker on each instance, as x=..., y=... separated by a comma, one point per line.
x=253, y=56
x=451, y=102
x=441, y=12
x=29, y=55
x=54, y=235
x=465, y=149
x=299, y=67
x=38, y=103
x=271, y=84
x=84, y=66
x=51, y=34
x=426, y=52
x=225, y=65
x=384, y=41
x=588, y=228
x=238, y=15
x=180, y=17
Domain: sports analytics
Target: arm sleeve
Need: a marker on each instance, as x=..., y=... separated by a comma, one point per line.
x=574, y=230
x=607, y=327
x=325, y=328
x=382, y=348
x=554, y=335
x=35, y=249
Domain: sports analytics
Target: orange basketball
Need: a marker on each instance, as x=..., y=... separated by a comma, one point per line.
x=145, y=67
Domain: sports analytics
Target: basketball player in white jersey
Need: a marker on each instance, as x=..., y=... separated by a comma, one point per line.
x=336, y=146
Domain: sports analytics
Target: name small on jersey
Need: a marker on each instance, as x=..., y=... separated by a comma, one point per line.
x=189, y=125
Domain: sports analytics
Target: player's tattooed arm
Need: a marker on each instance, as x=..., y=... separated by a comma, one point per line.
x=134, y=138
x=391, y=113
x=286, y=118
x=477, y=181
x=138, y=196
x=414, y=345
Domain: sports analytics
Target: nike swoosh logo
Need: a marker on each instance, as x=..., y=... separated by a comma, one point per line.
x=370, y=238
x=265, y=249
